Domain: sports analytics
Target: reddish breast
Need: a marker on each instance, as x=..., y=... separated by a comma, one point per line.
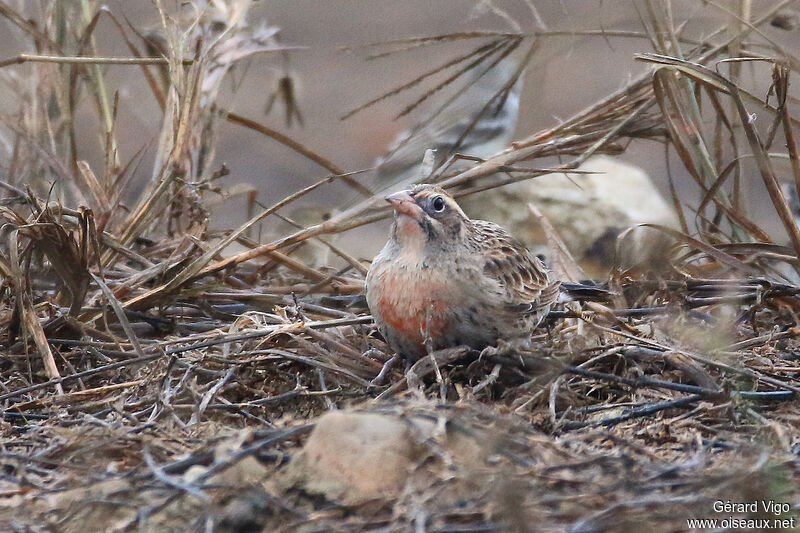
x=413, y=307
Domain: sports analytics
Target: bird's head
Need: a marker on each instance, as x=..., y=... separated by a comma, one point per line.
x=426, y=214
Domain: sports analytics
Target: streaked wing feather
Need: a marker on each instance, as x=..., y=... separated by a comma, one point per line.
x=524, y=277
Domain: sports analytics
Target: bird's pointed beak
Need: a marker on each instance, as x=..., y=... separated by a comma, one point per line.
x=404, y=204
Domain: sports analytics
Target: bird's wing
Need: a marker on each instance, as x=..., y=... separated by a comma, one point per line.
x=444, y=131
x=523, y=277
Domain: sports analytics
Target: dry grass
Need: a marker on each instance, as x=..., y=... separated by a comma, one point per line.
x=137, y=345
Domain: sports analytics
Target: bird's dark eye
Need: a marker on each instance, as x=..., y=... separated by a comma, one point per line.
x=438, y=204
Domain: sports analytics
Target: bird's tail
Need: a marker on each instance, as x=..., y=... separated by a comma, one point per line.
x=584, y=291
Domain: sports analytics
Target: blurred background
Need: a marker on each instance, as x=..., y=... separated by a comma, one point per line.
x=332, y=76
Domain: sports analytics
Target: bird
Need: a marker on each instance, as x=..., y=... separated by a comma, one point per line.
x=479, y=121
x=444, y=280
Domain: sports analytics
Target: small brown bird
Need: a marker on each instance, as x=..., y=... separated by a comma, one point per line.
x=444, y=280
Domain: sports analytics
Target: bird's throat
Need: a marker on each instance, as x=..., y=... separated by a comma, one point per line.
x=409, y=232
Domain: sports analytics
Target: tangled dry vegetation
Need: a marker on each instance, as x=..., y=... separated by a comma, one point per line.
x=156, y=378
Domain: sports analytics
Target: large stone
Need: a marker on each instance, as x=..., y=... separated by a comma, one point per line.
x=352, y=457
x=588, y=211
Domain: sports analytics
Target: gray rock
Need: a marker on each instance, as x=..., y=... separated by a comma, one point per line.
x=353, y=457
x=588, y=211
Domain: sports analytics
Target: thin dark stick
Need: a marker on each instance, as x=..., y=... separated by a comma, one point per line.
x=635, y=412
x=645, y=382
